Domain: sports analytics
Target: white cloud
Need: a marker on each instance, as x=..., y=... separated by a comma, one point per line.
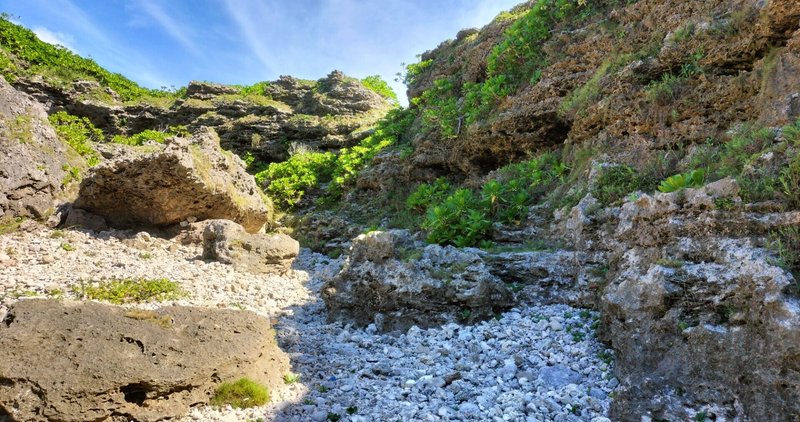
x=178, y=31
x=55, y=38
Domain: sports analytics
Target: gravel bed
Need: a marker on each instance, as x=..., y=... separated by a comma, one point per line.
x=528, y=364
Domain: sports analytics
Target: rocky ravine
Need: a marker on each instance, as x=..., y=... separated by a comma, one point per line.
x=531, y=363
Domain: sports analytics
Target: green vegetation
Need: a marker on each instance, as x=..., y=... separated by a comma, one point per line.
x=67, y=247
x=10, y=224
x=440, y=109
x=664, y=91
x=23, y=54
x=379, y=86
x=413, y=71
x=20, y=129
x=690, y=179
x=129, y=290
x=351, y=161
x=289, y=180
x=73, y=174
x=258, y=88
x=785, y=243
x=241, y=394
x=291, y=378
x=464, y=218
x=427, y=194
x=77, y=132
x=615, y=183
x=151, y=135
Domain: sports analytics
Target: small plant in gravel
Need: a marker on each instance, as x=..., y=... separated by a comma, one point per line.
x=67, y=247
x=130, y=290
x=8, y=225
x=291, y=378
x=334, y=417
x=241, y=394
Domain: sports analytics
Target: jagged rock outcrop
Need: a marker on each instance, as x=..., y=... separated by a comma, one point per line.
x=702, y=319
x=34, y=162
x=208, y=90
x=444, y=284
x=330, y=113
x=189, y=179
x=227, y=242
x=88, y=361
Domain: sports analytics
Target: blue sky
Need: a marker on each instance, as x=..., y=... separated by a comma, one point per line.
x=170, y=42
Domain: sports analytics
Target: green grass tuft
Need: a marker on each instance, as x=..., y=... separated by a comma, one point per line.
x=241, y=394
x=130, y=290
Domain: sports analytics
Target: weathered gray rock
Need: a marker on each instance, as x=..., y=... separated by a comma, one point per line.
x=82, y=219
x=207, y=90
x=558, y=376
x=445, y=284
x=551, y=277
x=717, y=332
x=340, y=95
x=33, y=161
x=188, y=179
x=87, y=361
x=227, y=242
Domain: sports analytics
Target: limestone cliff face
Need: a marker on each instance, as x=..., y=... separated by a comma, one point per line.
x=727, y=62
x=330, y=113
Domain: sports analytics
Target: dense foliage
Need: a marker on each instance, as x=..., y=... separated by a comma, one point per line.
x=378, y=85
x=24, y=54
x=288, y=181
x=465, y=217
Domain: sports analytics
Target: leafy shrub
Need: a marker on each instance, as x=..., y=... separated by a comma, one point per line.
x=130, y=290
x=480, y=99
x=258, y=88
x=460, y=219
x=351, y=161
x=241, y=394
x=288, y=181
x=77, y=132
x=150, y=135
x=519, y=55
x=690, y=179
x=464, y=218
x=413, y=71
x=427, y=194
x=615, y=183
x=439, y=108
x=379, y=86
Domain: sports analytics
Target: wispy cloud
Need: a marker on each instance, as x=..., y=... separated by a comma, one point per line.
x=86, y=35
x=246, y=16
x=55, y=38
x=178, y=31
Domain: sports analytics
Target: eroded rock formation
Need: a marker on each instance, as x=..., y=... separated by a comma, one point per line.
x=87, y=361
x=187, y=179
x=34, y=163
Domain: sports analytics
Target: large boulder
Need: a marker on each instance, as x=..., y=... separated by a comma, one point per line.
x=388, y=282
x=189, y=179
x=88, y=361
x=34, y=163
x=207, y=90
x=227, y=242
